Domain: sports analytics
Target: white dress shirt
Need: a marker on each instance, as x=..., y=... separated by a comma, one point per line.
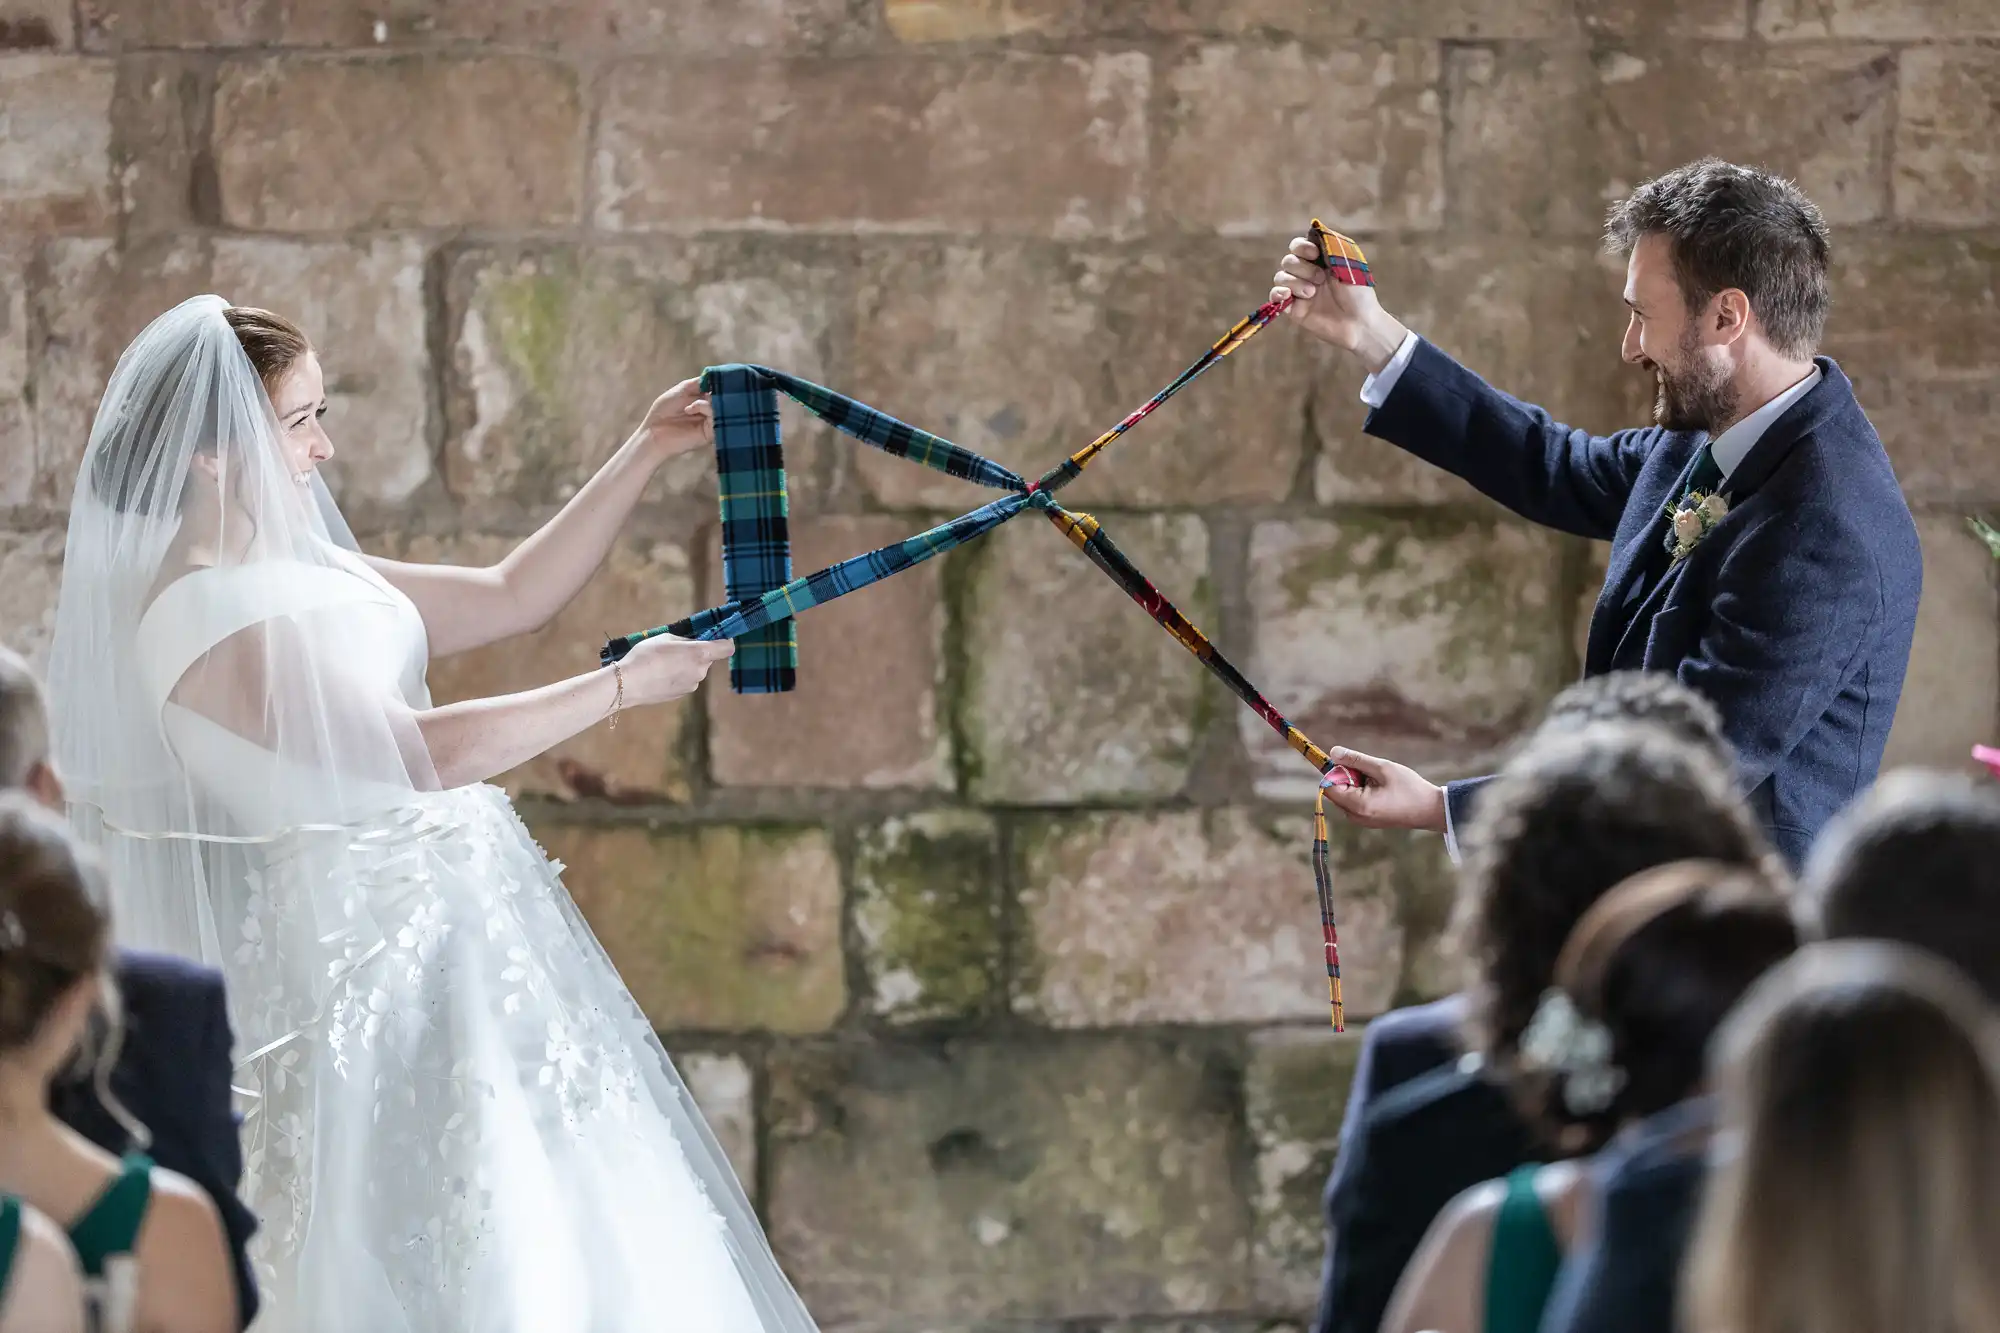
x=1728, y=449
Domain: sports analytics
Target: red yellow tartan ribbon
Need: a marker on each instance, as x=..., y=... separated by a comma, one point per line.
x=1342, y=261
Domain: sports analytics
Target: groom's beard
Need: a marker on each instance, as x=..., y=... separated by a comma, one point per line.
x=1694, y=395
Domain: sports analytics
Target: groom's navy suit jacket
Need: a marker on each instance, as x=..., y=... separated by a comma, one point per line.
x=1794, y=616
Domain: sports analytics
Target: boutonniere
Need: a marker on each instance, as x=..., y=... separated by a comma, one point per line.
x=1693, y=519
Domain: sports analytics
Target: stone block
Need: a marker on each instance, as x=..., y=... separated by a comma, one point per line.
x=1524, y=141
x=30, y=579
x=932, y=22
x=1429, y=639
x=1821, y=115
x=1081, y=338
x=1200, y=917
x=1876, y=20
x=867, y=711
x=362, y=303
x=718, y=928
x=1713, y=20
x=685, y=27
x=159, y=126
x=927, y=904
x=55, y=156
x=1322, y=23
x=642, y=758
x=724, y=1090
x=1071, y=692
x=1295, y=1091
x=1951, y=698
x=37, y=25
x=1545, y=329
x=329, y=143
x=556, y=354
x=1948, y=135
x=901, y=143
x=18, y=474
x=89, y=300
x=1913, y=317
x=984, y=1180
x=1239, y=163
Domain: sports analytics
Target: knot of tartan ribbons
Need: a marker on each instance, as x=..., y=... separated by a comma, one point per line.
x=762, y=597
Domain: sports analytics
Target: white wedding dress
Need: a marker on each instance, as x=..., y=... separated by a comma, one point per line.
x=462, y=1122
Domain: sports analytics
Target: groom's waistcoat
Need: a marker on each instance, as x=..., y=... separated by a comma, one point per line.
x=1794, y=615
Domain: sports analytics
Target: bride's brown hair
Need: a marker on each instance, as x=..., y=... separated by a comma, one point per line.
x=273, y=343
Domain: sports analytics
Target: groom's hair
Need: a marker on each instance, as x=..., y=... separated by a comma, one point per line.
x=1731, y=226
x=1915, y=860
x=24, y=721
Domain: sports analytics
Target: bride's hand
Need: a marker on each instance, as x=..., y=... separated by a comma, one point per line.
x=664, y=667
x=678, y=420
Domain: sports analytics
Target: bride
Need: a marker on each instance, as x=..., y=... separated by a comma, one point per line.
x=462, y=1119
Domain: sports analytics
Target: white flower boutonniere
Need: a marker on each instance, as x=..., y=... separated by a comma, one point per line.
x=1693, y=519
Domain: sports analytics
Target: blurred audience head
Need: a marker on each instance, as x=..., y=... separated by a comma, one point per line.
x=1642, y=984
x=1569, y=818
x=1652, y=697
x=1917, y=859
x=54, y=934
x=1856, y=1178
x=24, y=733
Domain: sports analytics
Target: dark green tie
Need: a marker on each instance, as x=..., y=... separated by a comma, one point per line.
x=1706, y=475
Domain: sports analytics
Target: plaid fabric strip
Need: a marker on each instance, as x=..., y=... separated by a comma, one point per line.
x=1338, y=255
x=756, y=522
x=1094, y=542
x=734, y=619
x=883, y=431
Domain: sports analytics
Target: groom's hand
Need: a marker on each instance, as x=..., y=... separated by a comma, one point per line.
x=1336, y=312
x=1395, y=797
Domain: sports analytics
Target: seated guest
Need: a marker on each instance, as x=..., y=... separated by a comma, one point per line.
x=1855, y=1176
x=1643, y=983
x=1568, y=819
x=1404, y=1043
x=149, y=1241
x=173, y=1067
x=41, y=1287
x=1916, y=860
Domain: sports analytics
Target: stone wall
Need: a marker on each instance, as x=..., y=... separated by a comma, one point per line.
x=992, y=949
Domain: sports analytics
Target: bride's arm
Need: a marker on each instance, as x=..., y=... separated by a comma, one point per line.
x=466, y=607
x=479, y=738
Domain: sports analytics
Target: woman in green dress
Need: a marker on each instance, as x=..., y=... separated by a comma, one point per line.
x=149, y=1242
x=1644, y=980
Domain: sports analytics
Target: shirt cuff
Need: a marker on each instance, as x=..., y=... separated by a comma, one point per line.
x=1375, y=390
x=1450, y=831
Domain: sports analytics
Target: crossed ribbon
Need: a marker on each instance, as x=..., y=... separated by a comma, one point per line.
x=756, y=543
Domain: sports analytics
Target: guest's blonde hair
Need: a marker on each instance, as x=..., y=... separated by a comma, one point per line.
x=24, y=721
x=1855, y=1186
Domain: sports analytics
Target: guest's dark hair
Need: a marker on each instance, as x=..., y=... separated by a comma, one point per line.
x=1657, y=962
x=1567, y=819
x=1916, y=859
x=1652, y=697
x=1741, y=227
x=53, y=928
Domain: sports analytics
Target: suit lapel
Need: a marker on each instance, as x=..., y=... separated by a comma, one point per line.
x=1635, y=560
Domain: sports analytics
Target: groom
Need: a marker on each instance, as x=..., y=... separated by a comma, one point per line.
x=1761, y=549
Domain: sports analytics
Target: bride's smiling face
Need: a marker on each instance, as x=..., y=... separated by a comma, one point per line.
x=299, y=395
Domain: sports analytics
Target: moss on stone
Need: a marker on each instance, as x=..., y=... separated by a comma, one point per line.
x=530, y=310
x=928, y=911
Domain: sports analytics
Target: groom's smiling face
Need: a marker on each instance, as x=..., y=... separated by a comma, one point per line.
x=1695, y=390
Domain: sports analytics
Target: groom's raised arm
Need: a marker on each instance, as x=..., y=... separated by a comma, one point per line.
x=1513, y=452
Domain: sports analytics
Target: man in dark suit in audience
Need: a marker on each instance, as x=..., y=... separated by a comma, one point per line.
x=1570, y=817
x=1916, y=860
x=172, y=1072
x=1761, y=548
x=1404, y=1044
